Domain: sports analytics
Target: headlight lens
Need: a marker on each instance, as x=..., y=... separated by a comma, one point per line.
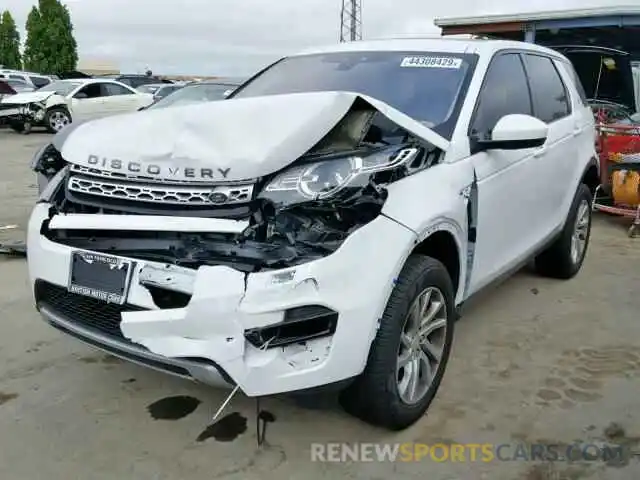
x=47, y=161
x=325, y=179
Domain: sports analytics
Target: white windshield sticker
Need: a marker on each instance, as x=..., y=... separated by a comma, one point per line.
x=432, y=62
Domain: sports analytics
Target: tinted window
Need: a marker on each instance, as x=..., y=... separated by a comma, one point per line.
x=93, y=90
x=39, y=81
x=17, y=77
x=504, y=92
x=550, y=98
x=112, y=89
x=424, y=85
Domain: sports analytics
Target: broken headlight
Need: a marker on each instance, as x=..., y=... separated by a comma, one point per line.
x=329, y=178
x=47, y=162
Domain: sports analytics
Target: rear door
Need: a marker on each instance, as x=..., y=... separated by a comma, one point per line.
x=556, y=160
x=119, y=98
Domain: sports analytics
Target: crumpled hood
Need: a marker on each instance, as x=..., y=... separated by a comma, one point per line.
x=27, y=97
x=229, y=140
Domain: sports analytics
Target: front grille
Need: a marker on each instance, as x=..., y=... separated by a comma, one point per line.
x=167, y=194
x=86, y=312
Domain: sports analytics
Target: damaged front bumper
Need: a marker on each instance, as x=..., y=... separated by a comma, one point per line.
x=22, y=113
x=272, y=331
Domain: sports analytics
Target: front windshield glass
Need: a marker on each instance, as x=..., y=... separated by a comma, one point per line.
x=60, y=88
x=148, y=88
x=204, y=92
x=427, y=86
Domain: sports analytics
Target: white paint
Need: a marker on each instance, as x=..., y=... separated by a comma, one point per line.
x=157, y=223
x=518, y=127
x=85, y=108
x=523, y=200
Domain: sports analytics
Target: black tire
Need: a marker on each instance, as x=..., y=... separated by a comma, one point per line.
x=17, y=127
x=373, y=396
x=556, y=261
x=48, y=118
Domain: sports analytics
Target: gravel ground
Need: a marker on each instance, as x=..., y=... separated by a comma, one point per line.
x=534, y=361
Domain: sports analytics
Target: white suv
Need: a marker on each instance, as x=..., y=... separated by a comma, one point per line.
x=325, y=224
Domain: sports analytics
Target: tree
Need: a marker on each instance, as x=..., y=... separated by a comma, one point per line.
x=50, y=46
x=9, y=42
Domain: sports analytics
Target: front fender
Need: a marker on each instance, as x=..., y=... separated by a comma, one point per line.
x=57, y=100
x=438, y=199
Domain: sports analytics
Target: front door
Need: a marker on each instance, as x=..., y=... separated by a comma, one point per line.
x=88, y=103
x=507, y=180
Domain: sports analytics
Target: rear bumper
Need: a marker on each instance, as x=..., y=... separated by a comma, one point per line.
x=207, y=340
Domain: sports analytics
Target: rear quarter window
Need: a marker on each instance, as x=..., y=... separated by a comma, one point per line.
x=576, y=81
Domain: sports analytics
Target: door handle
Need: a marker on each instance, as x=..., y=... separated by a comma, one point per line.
x=541, y=151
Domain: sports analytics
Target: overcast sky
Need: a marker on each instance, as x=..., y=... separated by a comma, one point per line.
x=236, y=37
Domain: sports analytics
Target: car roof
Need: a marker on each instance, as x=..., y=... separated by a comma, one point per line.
x=429, y=43
x=225, y=83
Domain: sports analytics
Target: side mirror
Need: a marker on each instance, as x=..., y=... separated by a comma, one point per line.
x=80, y=96
x=515, y=132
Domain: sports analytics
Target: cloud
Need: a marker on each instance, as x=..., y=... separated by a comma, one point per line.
x=237, y=37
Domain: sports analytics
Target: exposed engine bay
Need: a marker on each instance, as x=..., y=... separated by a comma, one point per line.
x=298, y=214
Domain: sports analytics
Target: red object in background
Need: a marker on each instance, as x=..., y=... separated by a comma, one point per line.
x=6, y=89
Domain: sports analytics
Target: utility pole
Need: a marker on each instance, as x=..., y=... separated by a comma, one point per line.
x=351, y=21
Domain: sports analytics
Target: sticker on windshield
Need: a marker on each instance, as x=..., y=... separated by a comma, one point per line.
x=432, y=62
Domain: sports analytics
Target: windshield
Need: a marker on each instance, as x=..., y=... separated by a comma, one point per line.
x=149, y=88
x=427, y=86
x=204, y=92
x=60, y=88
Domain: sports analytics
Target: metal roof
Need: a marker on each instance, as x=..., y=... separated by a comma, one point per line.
x=537, y=16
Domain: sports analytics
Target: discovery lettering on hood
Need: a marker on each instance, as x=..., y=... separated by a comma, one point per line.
x=246, y=137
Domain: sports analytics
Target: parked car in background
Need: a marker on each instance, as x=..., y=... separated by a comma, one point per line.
x=34, y=80
x=324, y=225
x=136, y=80
x=63, y=101
x=6, y=89
x=197, y=92
x=18, y=86
x=160, y=90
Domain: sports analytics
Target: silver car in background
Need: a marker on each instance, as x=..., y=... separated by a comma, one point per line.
x=197, y=92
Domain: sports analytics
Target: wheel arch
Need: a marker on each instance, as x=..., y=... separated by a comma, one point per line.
x=443, y=245
x=591, y=175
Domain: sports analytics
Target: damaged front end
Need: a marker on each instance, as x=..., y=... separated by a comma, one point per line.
x=299, y=214
x=260, y=279
x=32, y=113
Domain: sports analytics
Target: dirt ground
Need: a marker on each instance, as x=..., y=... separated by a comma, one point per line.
x=534, y=361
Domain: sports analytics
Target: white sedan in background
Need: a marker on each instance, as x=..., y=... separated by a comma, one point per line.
x=61, y=102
